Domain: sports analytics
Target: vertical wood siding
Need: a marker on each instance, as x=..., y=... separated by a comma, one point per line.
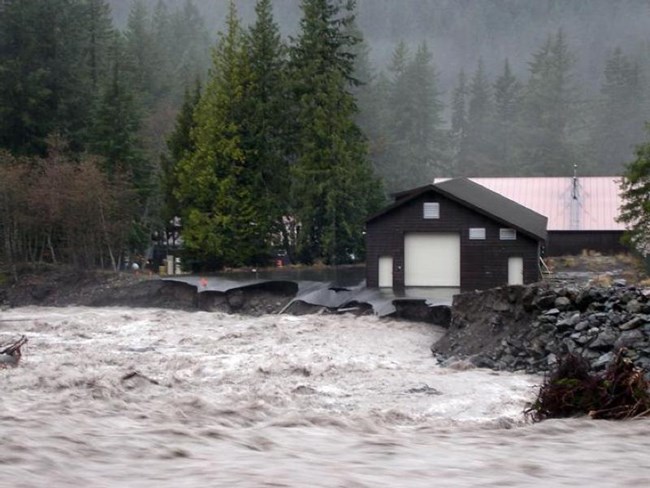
x=561, y=243
x=483, y=263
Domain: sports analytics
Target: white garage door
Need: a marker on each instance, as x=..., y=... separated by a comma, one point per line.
x=432, y=259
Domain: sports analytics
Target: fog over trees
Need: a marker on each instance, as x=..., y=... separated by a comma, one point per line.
x=283, y=123
x=605, y=63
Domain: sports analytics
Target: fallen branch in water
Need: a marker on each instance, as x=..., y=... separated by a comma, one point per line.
x=10, y=355
x=621, y=392
x=135, y=375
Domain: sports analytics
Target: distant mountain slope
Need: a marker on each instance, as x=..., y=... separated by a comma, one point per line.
x=459, y=32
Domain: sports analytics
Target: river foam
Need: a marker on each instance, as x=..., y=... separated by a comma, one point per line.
x=151, y=397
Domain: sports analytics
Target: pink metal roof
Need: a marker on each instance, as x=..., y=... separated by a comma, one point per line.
x=595, y=207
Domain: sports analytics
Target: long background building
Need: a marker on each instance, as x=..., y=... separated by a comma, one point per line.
x=581, y=211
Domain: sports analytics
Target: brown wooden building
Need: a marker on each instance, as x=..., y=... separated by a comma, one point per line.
x=456, y=235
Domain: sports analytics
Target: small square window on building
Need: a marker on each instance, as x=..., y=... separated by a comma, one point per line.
x=477, y=233
x=431, y=210
x=508, y=234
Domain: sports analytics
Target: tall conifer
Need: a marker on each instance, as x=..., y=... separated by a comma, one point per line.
x=479, y=158
x=549, y=109
x=333, y=187
x=41, y=50
x=620, y=115
x=179, y=144
x=267, y=115
x=417, y=144
x=224, y=220
x=635, y=192
x=507, y=107
x=459, y=121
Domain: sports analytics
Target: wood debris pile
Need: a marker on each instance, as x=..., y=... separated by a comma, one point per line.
x=620, y=392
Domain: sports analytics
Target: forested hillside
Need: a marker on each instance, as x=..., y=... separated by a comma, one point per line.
x=282, y=124
x=85, y=109
x=550, y=83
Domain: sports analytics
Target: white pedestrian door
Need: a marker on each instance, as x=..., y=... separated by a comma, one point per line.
x=516, y=271
x=431, y=259
x=385, y=271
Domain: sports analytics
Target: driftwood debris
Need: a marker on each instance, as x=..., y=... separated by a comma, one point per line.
x=620, y=392
x=133, y=378
x=10, y=354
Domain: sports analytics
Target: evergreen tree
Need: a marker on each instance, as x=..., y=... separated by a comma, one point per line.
x=375, y=121
x=635, y=189
x=397, y=123
x=267, y=118
x=369, y=107
x=180, y=145
x=417, y=143
x=333, y=187
x=426, y=142
x=190, y=46
x=620, y=114
x=399, y=60
x=114, y=133
x=506, y=95
x=459, y=123
x=162, y=82
x=139, y=53
x=175, y=45
x=479, y=159
x=41, y=50
x=549, y=108
x=99, y=39
x=180, y=142
x=507, y=103
x=224, y=223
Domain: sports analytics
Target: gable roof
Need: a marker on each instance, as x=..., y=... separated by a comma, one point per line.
x=596, y=204
x=481, y=200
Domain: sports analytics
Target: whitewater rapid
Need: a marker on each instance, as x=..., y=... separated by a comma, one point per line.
x=308, y=401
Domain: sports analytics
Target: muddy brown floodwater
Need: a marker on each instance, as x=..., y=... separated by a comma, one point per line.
x=309, y=401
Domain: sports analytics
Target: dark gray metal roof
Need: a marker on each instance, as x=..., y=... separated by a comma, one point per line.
x=482, y=200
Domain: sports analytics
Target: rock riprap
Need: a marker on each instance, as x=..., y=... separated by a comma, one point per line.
x=527, y=328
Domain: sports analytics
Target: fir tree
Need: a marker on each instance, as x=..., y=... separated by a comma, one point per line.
x=267, y=117
x=99, y=39
x=180, y=145
x=459, y=128
x=479, y=158
x=114, y=133
x=139, y=53
x=620, y=114
x=426, y=141
x=161, y=48
x=375, y=108
x=190, y=46
x=369, y=104
x=41, y=50
x=506, y=95
x=635, y=192
x=399, y=60
x=224, y=223
x=507, y=107
x=548, y=110
x=417, y=143
x=333, y=188
x=397, y=122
